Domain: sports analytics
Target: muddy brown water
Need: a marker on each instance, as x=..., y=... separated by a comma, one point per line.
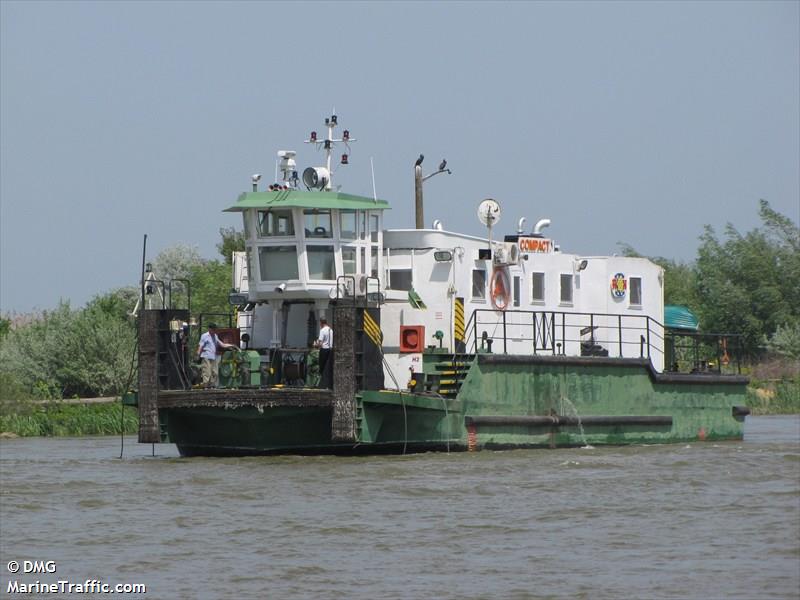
x=705, y=520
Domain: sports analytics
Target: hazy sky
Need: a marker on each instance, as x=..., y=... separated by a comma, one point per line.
x=629, y=121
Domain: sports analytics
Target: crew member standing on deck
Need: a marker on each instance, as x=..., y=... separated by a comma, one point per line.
x=207, y=353
x=325, y=345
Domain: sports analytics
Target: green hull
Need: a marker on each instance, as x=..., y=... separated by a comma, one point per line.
x=503, y=402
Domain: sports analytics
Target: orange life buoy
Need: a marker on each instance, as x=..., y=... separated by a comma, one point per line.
x=500, y=289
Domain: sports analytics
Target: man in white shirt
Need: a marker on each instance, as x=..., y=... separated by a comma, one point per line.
x=207, y=353
x=325, y=345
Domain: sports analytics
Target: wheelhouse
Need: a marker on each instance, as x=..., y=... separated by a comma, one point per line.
x=299, y=243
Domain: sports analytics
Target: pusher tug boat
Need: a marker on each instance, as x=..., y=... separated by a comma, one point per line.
x=442, y=340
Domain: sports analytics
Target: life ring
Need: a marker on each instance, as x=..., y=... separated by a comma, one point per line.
x=499, y=286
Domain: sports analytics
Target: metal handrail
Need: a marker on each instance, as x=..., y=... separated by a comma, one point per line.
x=551, y=332
x=704, y=352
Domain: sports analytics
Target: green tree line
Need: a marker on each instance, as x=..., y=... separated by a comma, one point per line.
x=88, y=352
x=743, y=283
x=746, y=283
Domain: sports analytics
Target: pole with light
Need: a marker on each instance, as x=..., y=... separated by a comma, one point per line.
x=418, y=180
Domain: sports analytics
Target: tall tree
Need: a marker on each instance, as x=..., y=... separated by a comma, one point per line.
x=748, y=283
x=232, y=241
x=176, y=262
x=211, y=283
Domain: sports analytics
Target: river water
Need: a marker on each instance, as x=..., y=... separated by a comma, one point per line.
x=705, y=520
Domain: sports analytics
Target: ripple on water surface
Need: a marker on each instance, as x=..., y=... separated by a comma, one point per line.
x=683, y=521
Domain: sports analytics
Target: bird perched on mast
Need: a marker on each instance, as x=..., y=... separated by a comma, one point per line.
x=442, y=165
x=419, y=160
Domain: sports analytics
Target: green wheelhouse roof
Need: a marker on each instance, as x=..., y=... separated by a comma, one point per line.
x=680, y=317
x=300, y=199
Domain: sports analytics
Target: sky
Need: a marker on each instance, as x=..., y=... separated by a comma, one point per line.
x=632, y=122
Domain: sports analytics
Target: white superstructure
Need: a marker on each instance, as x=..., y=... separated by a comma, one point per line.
x=515, y=294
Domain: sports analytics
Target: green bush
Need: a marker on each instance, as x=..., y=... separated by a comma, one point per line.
x=66, y=353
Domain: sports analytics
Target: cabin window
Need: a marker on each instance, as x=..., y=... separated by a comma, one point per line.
x=537, y=287
x=347, y=224
x=636, y=291
x=362, y=224
x=374, y=227
x=478, y=284
x=277, y=263
x=400, y=279
x=374, y=261
x=516, y=290
x=363, y=260
x=317, y=223
x=566, y=288
x=349, y=260
x=320, y=262
x=273, y=223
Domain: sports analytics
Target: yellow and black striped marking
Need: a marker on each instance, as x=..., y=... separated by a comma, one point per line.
x=458, y=323
x=372, y=329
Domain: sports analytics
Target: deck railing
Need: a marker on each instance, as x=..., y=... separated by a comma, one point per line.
x=561, y=333
x=703, y=352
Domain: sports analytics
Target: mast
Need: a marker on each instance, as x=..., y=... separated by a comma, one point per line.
x=322, y=177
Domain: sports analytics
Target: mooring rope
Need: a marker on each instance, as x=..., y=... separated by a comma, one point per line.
x=388, y=368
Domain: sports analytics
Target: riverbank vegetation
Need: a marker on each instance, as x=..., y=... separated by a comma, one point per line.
x=774, y=387
x=744, y=283
x=780, y=397
x=59, y=418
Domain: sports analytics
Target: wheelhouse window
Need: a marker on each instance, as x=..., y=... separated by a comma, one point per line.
x=347, y=224
x=566, y=288
x=374, y=227
x=516, y=291
x=348, y=260
x=317, y=223
x=321, y=263
x=275, y=223
x=362, y=224
x=479, y=284
x=537, y=287
x=373, y=262
x=277, y=263
x=636, y=291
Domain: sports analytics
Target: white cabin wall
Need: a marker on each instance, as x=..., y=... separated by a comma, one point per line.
x=652, y=304
x=591, y=294
x=393, y=316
